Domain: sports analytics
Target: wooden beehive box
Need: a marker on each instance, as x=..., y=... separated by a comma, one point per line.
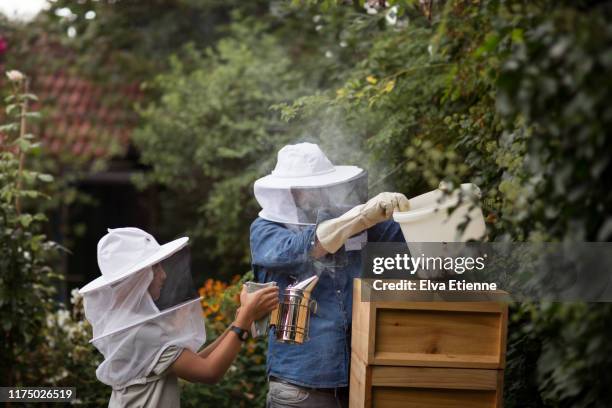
x=427, y=354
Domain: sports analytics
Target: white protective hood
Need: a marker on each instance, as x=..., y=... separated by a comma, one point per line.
x=136, y=318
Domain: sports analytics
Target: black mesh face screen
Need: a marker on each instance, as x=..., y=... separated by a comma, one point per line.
x=310, y=200
x=172, y=281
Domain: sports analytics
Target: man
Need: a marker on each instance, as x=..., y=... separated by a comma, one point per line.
x=304, y=229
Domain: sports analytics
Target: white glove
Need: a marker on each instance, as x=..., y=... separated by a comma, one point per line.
x=332, y=234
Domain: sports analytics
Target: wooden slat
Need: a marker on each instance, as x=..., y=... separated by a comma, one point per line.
x=362, y=327
x=360, y=384
x=390, y=397
x=435, y=360
x=500, y=389
x=485, y=307
x=438, y=378
x=503, y=336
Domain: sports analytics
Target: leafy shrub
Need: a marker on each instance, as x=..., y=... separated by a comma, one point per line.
x=209, y=133
x=568, y=342
x=26, y=280
x=67, y=358
x=212, y=131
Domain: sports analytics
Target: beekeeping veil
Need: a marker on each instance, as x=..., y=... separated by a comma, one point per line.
x=305, y=182
x=144, y=302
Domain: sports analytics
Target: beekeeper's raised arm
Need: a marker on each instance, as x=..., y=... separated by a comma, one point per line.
x=332, y=234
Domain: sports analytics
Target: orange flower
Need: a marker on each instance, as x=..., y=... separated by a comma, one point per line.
x=219, y=286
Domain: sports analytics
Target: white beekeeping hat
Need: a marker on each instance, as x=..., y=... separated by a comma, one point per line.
x=305, y=180
x=125, y=251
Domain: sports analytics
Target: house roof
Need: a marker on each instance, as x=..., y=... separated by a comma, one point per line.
x=83, y=118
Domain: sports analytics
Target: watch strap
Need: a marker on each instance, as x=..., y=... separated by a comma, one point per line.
x=242, y=333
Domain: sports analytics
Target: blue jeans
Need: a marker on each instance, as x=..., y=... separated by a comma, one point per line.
x=282, y=395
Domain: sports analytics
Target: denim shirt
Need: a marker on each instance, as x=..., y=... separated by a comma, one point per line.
x=282, y=254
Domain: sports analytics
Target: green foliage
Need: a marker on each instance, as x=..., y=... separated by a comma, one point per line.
x=25, y=277
x=127, y=39
x=556, y=84
x=216, y=128
x=570, y=342
x=66, y=358
x=211, y=133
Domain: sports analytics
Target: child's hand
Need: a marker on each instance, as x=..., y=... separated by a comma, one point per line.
x=254, y=306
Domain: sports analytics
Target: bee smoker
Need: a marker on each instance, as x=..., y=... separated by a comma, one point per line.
x=292, y=317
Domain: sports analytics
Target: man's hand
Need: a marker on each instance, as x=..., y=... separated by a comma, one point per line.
x=255, y=305
x=381, y=207
x=332, y=234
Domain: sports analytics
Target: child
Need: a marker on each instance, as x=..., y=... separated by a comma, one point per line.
x=147, y=320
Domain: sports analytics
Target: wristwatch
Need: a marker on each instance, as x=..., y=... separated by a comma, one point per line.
x=242, y=333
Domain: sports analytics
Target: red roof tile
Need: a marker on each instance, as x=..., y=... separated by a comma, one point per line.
x=92, y=119
x=83, y=122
